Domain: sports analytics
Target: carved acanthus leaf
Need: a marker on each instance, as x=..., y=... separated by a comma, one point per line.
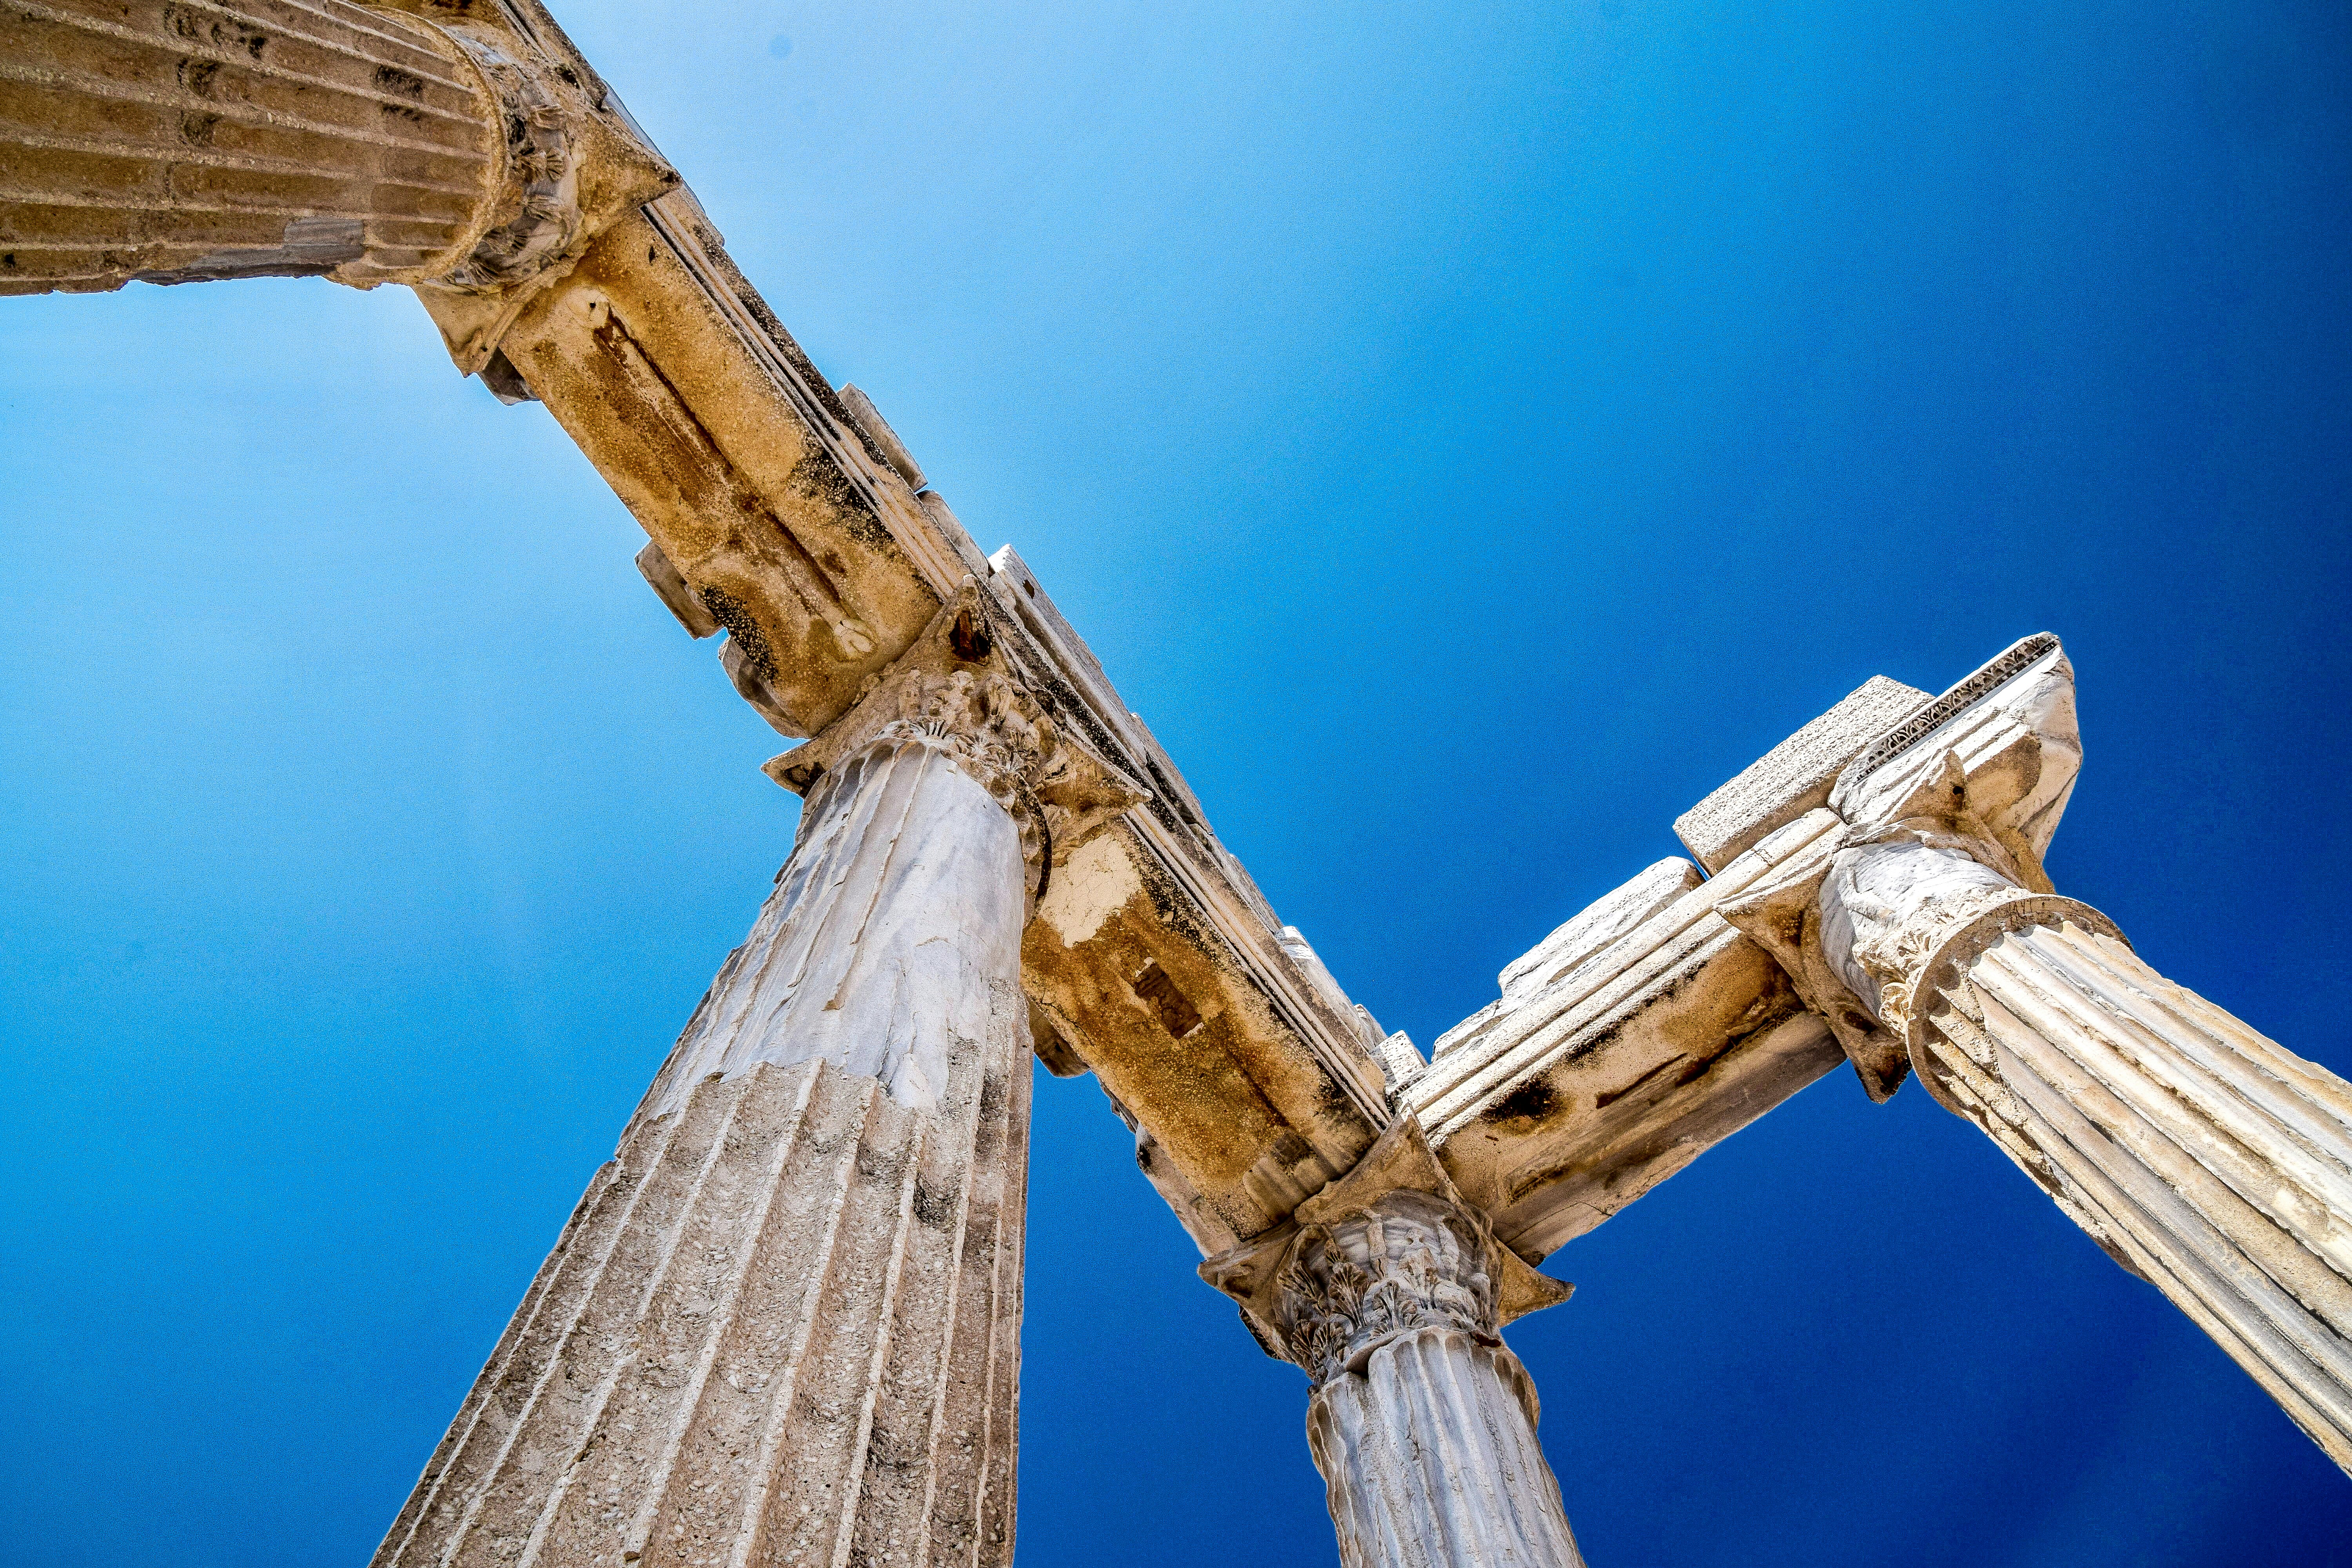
x=1407, y=1261
x=953, y=691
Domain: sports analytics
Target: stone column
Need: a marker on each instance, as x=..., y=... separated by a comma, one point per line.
x=2200, y=1155
x=1391, y=1293
x=175, y=143
x=783, y=1324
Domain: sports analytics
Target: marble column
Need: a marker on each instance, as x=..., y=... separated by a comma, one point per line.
x=2202, y=1156
x=1391, y=1293
x=783, y=1324
x=185, y=143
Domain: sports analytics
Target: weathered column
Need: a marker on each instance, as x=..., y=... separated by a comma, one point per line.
x=783, y=1324
x=1392, y=1294
x=2200, y=1155
x=184, y=141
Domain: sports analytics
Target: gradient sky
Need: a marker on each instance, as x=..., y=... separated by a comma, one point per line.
x=1467, y=434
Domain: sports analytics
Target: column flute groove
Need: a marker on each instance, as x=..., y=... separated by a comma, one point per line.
x=801, y=1345
x=2200, y=1154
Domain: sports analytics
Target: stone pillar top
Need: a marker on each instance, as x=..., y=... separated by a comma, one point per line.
x=954, y=691
x=1388, y=1248
x=1926, y=833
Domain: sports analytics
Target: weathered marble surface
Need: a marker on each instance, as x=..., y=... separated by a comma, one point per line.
x=2200, y=1154
x=1627, y=1043
x=785, y=1325
x=1795, y=776
x=1390, y=1294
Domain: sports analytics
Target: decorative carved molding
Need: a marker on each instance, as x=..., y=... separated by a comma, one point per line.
x=534, y=213
x=953, y=693
x=1405, y=1262
x=1387, y=1250
x=571, y=164
x=1857, y=923
x=1944, y=709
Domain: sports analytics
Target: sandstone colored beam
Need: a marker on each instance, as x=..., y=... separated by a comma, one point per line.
x=1648, y=1030
x=777, y=508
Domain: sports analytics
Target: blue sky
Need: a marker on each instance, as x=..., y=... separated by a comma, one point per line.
x=1467, y=434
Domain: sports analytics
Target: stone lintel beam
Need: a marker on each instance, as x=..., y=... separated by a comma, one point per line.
x=1649, y=1027
x=787, y=516
x=1654, y=1031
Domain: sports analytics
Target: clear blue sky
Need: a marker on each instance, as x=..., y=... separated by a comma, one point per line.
x=1468, y=433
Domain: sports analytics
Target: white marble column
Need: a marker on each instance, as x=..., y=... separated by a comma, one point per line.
x=2200, y=1154
x=783, y=1324
x=1392, y=1294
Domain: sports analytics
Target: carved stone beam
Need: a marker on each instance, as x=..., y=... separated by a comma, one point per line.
x=787, y=515
x=1390, y=1292
x=462, y=148
x=1647, y=1028
x=1156, y=964
x=784, y=1322
x=2202, y=1156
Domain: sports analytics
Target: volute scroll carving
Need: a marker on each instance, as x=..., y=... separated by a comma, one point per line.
x=953, y=693
x=1406, y=1262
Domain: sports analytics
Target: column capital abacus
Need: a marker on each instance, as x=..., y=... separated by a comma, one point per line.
x=954, y=692
x=1382, y=1252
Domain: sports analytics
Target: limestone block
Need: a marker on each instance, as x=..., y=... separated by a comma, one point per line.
x=1794, y=776
x=876, y=429
x=1614, y=1066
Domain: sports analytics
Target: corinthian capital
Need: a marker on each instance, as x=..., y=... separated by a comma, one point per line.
x=954, y=692
x=1936, y=850
x=1384, y=1252
x=1403, y=1262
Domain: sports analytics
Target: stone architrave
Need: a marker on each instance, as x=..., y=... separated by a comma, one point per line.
x=470, y=151
x=1391, y=1293
x=783, y=1324
x=2202, y=1156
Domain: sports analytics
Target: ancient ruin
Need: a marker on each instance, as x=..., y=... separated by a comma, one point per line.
x=783, y=1324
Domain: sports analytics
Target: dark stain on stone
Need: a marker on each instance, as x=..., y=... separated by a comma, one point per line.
x=731, y=613
x=1600, y=1102
x=401, y=84
x=1532, y=1100
x=933, y=1207
x=221, y=32
x=970, y=642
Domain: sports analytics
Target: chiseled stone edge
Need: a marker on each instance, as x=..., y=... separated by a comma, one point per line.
x=1949, y=706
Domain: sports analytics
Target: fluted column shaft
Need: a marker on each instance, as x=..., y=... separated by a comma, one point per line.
x=782, y=1326
x=1430, y=1459
x=1422, y=1422
x=2202, y=1156
x=184, y=141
